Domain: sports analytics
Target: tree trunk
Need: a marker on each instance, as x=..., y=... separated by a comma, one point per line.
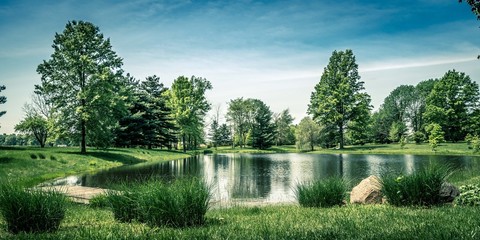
x=84, y=136
x=341, y=136
x=183, y=142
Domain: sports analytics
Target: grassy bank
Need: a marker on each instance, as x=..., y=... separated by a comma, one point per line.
x=281, y=222
x=31, y=165
x=413, y=149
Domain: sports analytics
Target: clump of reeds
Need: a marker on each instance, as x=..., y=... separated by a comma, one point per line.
x=322, y=193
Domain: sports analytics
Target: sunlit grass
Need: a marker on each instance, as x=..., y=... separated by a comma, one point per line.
x=281, y=222
x=17, y=165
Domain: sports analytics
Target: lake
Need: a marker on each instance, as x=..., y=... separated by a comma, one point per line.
x=270, y=178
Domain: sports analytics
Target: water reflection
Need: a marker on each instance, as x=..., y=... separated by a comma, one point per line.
x=272, y=177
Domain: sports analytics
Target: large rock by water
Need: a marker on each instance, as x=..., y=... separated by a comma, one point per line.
x=449, y=192
x=368, y=191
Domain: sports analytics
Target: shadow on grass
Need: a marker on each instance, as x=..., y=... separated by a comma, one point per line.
x=111, y=157
x=4, y=160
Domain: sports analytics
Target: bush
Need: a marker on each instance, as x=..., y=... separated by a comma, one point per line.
x=321, y=193
x=124, y=204
x=418, y=137
x=421, y=188
x=41, y=156
x=33, y=156
x=469, y=195
x=182, y=203
x=31, y=210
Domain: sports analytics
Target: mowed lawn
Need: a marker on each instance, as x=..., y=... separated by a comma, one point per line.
x=32, y=165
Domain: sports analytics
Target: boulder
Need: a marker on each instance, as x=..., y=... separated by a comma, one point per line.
x=449, y=192
x=368, y=191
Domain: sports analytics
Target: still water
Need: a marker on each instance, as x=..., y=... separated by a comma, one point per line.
x=271, y=178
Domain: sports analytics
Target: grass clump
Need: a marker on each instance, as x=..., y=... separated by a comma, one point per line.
x=33, y=156
x=321, y=193
x=42, y=156
x=469, y=195
x=181, y=203
x=422, y=188
x=31, y=210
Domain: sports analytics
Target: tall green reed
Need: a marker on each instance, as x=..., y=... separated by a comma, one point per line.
x=321, y=193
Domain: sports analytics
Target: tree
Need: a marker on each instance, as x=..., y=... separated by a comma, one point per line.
x=451, y=103
x=435, y=135
x=397, y=131
x=34, y=125
x=284, y=134
x=307, y=134
x=338, y=97
x=189, y=107
x=262, y=129
x=3, y=99
x=84, y=82
x=224, y=135
x=475, y=7
x=238, y=117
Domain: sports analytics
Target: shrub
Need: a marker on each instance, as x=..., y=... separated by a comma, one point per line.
x=469, y=195
x=422, y=188
x=41, y=156
x=182, y=203
x=418, y=137
x=31, y=210
x=124, y=204
x=321, y=193
x=33, y=156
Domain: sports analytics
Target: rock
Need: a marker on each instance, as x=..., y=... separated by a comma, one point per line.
x=449, y=192
x=368, y=191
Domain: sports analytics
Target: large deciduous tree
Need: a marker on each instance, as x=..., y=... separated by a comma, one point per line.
x=189, y=106
x=452, y=103
x=339, y=98
x=84, y=81
x=35, y=125
x=238, y=118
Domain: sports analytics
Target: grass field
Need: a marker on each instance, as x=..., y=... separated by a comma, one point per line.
x=281, y=222
x=31, y=165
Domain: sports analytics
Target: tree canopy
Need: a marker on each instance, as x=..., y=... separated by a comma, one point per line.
x=339, y=98
x=84, y=82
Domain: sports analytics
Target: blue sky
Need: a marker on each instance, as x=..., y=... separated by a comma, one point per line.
x=271, y=50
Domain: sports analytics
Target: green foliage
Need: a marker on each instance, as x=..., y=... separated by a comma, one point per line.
x=338, y=97
x=99, y=201
x=421, y=188
x=189, y=106
x=35, y=125
x=182, y=203
x=83, y=81
x=33, y=156
x=31, y=210
x=284, y=134
x=475, y=143
x=307, y=134
x=469, y=195
x=435, y=135
x=403, y=141
x=451, y=104
x=149, y=122
x=418, y=137
x=322, y=193
x=124, y=204
x=397, y=131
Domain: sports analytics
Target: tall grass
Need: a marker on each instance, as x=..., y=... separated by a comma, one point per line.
x=321, y=193
x=422, y=188
x=181, y=203
x=31, y=210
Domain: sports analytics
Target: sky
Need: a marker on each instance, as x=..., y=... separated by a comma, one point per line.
x=274, y=51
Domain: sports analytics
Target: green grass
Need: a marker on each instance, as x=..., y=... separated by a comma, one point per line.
x=17, y=164
x=410, y=148
x=421, y=188
x=280, y=222
x=322, y=193
x=31, y=210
